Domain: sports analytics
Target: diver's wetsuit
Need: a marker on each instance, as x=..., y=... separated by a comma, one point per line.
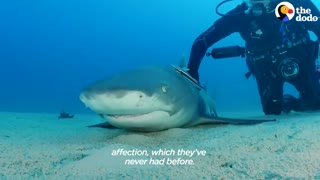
x=268, y=42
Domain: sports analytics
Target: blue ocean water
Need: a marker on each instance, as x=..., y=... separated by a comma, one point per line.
x=51, y=49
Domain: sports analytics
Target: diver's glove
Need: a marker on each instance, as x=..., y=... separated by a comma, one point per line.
x=194, y=74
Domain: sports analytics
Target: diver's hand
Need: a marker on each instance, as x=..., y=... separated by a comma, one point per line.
x=194, y=74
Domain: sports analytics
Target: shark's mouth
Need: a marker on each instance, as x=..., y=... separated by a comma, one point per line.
x=119, y=116
x=134, y=116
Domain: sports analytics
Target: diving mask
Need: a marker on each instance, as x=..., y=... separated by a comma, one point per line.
x=258, y=7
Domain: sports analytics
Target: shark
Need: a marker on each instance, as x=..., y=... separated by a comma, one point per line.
x=154, y=98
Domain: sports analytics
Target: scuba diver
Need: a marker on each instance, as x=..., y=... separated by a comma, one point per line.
x=277, y=50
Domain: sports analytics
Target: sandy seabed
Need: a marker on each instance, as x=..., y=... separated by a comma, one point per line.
x=41, y=146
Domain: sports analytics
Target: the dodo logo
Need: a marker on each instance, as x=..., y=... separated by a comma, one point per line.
x=285, y=11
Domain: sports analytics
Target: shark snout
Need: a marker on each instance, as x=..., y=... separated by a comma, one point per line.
x=117, y=102
x=107, y=94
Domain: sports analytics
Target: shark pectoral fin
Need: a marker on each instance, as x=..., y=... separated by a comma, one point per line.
x=104, y=125
x=222, y=120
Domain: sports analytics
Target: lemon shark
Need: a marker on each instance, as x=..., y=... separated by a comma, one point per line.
x=154, y=98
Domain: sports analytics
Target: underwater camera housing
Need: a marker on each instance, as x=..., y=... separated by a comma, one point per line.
x=288, y=67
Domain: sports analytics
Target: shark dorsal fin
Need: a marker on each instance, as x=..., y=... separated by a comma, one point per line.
x=182, y=63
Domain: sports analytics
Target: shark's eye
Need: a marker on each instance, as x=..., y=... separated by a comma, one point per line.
x=164, y=88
